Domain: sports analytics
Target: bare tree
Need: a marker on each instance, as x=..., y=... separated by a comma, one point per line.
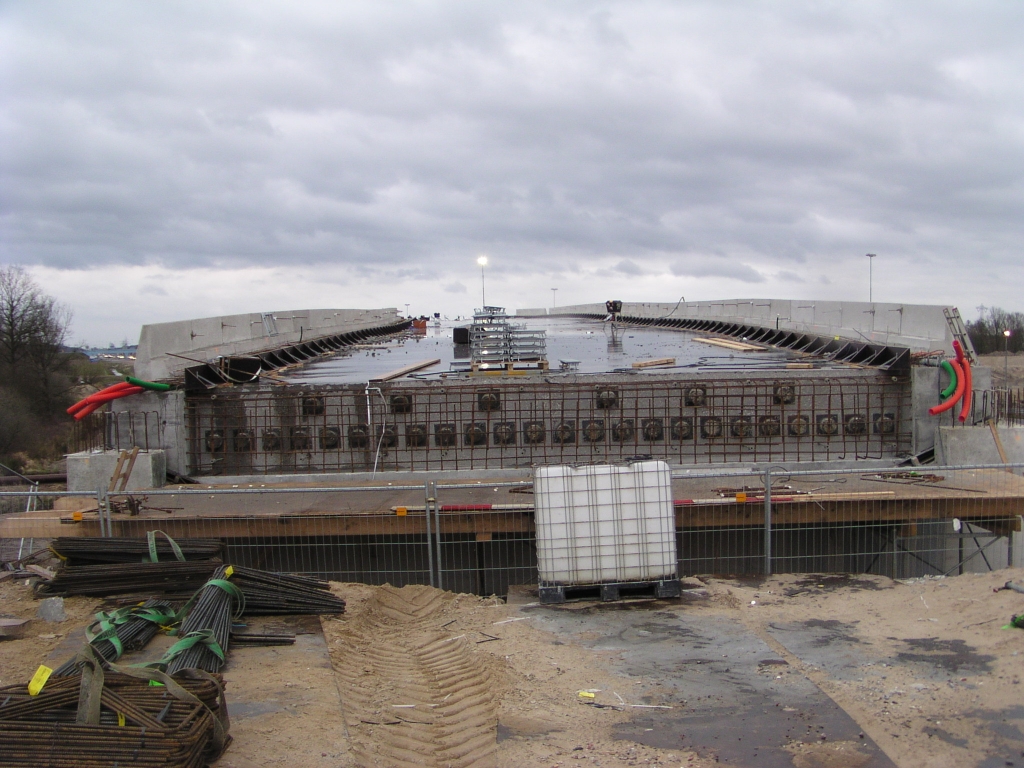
x=33, y=328
x=19, y=314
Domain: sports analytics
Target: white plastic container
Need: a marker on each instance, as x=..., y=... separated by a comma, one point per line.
x=599, y=524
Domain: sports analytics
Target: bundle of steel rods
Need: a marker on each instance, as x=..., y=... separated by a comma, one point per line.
x=277, y=593
x=139, y=725
x=207, y=625
x=133, y=629
x=246, y=638
x=124, y=578
x=87, y=550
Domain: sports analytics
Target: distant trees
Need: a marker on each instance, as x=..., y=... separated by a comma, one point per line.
x=987, y=331
x=34, y=367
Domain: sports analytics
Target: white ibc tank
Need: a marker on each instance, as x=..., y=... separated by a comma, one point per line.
x=605, y=523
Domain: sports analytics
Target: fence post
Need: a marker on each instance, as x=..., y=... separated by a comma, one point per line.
x=437, y=532
x=428, y=502
x=768, y=521
x=103, y=512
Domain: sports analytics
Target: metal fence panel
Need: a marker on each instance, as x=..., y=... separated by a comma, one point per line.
x=895, y=522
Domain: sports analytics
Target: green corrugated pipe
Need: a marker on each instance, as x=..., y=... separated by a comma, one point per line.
x=943, y=394
x=147, y=384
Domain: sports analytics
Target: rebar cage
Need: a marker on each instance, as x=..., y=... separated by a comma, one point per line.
x=484, y=423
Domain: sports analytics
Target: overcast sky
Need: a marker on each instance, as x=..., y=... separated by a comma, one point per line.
x=162, y=161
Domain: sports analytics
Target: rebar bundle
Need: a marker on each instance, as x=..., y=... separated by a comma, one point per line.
x=126, y=629
x=206, y=629
x=240, y=638
x=124, y=578
x=136, y=724
x=87, y=550
x=278, y=593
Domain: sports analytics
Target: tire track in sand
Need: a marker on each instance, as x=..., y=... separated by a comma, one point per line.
x=395, y=652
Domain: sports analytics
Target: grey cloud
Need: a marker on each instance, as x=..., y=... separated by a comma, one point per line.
x=716, y=267
x=627, y=267
x=789, y=277
x=390, y=139
x=455, y=288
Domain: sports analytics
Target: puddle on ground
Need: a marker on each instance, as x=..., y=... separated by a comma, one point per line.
x=949, y=655
x=833, y=581
x=944, y=735
x=1005, y=727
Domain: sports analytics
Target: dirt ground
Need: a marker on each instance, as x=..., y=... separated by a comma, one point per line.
x=429, y=678
x=1007, y=370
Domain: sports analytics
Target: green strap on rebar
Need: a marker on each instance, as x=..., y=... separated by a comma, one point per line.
x=944, y=365
x=152, y=385
x=201, y=636
x=224, y=584
x=153, y=557
x=106, y=624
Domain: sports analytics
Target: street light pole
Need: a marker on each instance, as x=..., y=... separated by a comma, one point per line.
x=554, y=292
x=871, y=258
x=1006, y=357
x=482, y=261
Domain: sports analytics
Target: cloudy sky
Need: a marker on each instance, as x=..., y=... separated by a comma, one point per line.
x=162, y=161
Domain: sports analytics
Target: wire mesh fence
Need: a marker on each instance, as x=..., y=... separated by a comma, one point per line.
x=481, y=537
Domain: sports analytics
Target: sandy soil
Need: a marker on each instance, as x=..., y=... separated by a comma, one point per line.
x=427, y=676
x=431, y=678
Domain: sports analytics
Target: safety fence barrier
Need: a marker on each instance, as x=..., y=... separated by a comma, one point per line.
x=479, y=536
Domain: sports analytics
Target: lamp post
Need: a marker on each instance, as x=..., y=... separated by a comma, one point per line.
x=1006, y=357
x=554, y=292
x=482, y=261
x=871, y=258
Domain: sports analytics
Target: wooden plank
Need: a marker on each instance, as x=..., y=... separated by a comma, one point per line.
x=406, y=369
x=122, y=457
x=738, y=346
x=12, y=628
x=128, y=470
x=999, y=441
x=655, y=362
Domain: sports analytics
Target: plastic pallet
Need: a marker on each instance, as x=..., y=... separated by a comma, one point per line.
x=609, y=592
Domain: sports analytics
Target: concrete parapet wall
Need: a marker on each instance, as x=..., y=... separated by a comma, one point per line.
x=977, y=445
x=917, y=326
x=205, y=339
x=89, y=471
